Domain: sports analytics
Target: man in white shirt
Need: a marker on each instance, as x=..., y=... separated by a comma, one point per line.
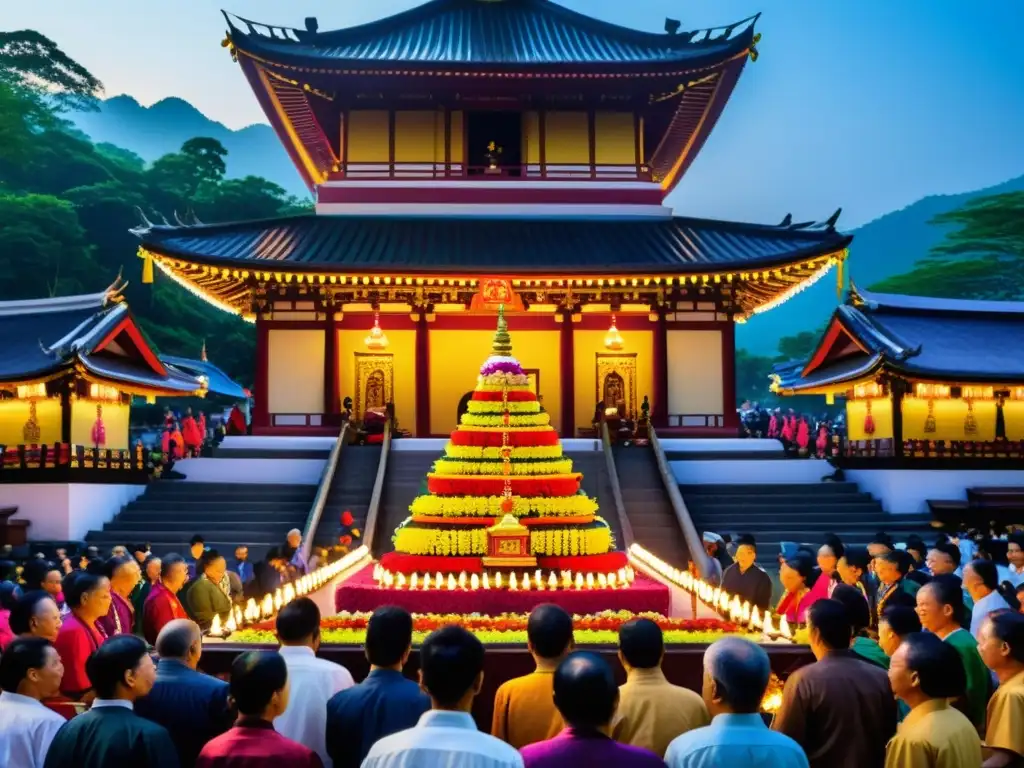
x=313, y=681
x=30, y=671
x=981, y=581
x=452, y=674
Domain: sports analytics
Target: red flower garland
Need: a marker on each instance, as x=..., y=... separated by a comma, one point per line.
x=557, y=485
x=514, y=396
x=481, y=439
x=606, y=563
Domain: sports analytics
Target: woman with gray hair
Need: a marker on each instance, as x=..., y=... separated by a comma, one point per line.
x=736, y=674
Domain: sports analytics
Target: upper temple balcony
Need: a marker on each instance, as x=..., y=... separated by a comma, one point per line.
x=464, y=105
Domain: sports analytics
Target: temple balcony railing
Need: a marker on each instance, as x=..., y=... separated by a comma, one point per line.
x=435, y=171
x=64, y=463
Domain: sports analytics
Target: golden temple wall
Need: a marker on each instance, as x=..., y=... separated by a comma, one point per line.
x=115, y=424
x=566, y=138
x=402, y=347
x=615, y=138
x=881, y=414
x=368, y=140
x=455, y=359
x=14, y=414
x=587, y=345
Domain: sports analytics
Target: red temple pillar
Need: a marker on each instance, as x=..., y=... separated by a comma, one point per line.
x=332, y=372
x=422, y=377
x=567, y=364
x=659, y=408
x=731, y=417
x=261, y=384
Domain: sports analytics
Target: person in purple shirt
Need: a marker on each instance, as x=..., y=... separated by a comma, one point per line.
x=586, y=695
x=124, y=574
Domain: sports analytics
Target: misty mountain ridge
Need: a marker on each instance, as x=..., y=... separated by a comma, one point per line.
x=889, y=245
x=151, y=132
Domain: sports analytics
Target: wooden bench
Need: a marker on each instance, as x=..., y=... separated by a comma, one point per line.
x=13, y=532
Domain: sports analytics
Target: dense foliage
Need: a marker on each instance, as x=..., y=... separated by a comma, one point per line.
x=67, y=204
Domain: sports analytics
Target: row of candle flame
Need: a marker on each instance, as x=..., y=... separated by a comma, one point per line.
x=564, y=580
x=260, y=610
x=728, y=606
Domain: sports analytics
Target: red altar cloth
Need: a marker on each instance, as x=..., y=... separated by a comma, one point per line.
x=361, y=593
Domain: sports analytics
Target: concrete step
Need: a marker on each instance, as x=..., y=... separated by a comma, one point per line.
x=769, y=489
x=177, y=490
x=737, y=516
x=206, y=516
x=769, y=507
x=140, y=527
x=144, y=504
x=269, y=453
x=218, y=532
x=795, y=499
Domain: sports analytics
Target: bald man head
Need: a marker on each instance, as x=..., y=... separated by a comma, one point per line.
x=736, y=674
x=182, y=641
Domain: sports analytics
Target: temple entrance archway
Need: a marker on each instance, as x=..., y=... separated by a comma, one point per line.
x=463, y=406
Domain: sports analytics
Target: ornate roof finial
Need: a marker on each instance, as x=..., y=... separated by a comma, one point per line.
x=502, y=344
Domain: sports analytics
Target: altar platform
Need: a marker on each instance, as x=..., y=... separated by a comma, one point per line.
x=360, y=592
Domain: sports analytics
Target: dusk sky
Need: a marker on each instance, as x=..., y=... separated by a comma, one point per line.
x=864, y=104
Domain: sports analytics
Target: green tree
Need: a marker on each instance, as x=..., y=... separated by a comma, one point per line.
x=800, y=346
x=982, y=259
x=44, y=247
x=31, y=60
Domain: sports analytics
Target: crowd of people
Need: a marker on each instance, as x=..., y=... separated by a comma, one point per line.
x=919, y=662
x=153, y=707
x=801, y=434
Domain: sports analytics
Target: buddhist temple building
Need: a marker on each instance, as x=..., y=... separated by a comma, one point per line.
x=468, y=154
x=69, y=368
x=922, y=376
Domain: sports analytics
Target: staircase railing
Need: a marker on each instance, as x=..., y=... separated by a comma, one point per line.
x=370, y=530
x=316, y=511
x=620, y=506
x=693, y=539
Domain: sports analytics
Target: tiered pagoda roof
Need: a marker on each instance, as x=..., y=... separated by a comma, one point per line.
x=92, y=336
x=912, y=337
x=533, y=33
x=230, y=264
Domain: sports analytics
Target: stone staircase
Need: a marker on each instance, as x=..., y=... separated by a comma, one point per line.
x=648, y=506
x=351, y=490
x=597, y=484
x=170, y=512
x=406, y=475
x=800, y=512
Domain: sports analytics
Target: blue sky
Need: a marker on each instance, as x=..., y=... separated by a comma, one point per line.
x=865, y=104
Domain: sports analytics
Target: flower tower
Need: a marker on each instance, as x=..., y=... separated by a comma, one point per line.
x=504, y=507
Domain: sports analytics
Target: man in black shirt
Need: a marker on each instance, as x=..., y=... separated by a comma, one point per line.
x=747, y=579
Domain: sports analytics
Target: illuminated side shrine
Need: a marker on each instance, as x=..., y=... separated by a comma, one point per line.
x=468, y=154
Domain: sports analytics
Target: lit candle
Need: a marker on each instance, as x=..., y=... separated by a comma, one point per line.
x=566, y=579
x=288, y=594
x=630, y=574
x=414, y=581
x=622, y=576
x=401, y=581
x=268, y=606
x=231, y=625
x=611, y=580
x=438, y=581
x=487, y=582
x=723, y=601
x=497, y=580
x=745, y=613
x=784, y=629
x=512, y=582
x=769, y=628
x=215, y=628
x=451, y=582
x=474, y=582
x=714, y=597
x=590, y=581
x=755, y=618
x=462, y=580
x=526, y=581
x=426, y=581
x=538, y=578
x=579, y=580
x=239, y=616
x=376, y=574
x=552, y=581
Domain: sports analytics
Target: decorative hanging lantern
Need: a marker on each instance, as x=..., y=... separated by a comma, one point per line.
x=613, y=339
x=376, y=340
x=970, y=422
x=869, y=421
x=929, y=421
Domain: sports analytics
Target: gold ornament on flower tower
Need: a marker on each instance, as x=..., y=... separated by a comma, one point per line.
x=508, y=544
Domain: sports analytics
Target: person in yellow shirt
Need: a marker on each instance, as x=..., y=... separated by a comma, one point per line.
x=1001, y=645
x=926, y=673
x=524, y=707
x=652, y=711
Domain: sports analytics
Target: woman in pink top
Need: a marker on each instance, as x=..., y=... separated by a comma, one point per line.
x=797, y=575
x=88, y=596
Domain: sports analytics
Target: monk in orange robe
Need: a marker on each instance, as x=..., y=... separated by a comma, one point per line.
x=191, y=434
